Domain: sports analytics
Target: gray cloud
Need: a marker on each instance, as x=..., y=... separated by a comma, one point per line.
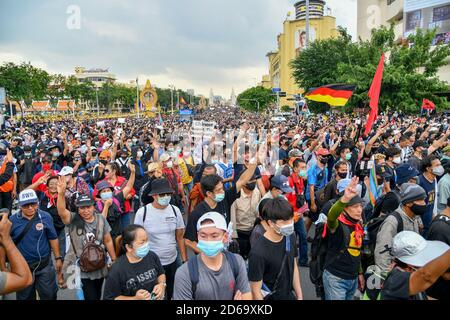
x=202, y=43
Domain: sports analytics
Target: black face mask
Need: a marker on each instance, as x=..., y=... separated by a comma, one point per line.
x=419, y=210
x=323, y=161
x=251, y=186
x=104, y=162
x=342, y=175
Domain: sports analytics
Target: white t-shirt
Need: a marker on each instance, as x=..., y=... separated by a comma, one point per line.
x=161, y=226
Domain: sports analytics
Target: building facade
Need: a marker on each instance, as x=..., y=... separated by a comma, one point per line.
x=407, y=16
x=292, y=41
x=97, y=76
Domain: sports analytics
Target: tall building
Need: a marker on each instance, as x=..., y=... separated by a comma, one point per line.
x=292, y=41
x=407, y=16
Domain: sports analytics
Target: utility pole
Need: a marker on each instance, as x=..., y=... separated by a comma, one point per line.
x=137, y=96
x=307, y=24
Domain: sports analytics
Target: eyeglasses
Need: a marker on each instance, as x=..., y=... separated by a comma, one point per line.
x=164, y=194
x=28, y=206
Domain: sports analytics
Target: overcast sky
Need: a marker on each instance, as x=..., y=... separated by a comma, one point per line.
x=192, y=44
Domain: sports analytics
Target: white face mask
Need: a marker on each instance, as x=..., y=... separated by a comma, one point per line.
x=139, y=154
x=169, y=164
x=397, y=160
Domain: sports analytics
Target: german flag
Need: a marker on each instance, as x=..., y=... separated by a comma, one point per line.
x=335, y=95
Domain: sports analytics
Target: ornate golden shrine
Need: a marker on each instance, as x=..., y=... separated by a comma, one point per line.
x=149, y=98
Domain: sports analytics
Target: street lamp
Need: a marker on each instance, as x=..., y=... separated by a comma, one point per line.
x=98, y=107
x=172, y=87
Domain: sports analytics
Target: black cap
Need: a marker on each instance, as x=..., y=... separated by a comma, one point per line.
x=84, y=201
x=160, y=186
x=420, y=143
x=355, y=200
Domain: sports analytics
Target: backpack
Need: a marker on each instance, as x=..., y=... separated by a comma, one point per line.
x=373, y=227
x=227, y=173
x=124, y=170
x=194, y=273
x=145, y=213
x=93, y=255
x=319, y=250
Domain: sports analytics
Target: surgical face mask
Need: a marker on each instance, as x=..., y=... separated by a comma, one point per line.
x=164, y=201
x=43, y=139
x=419, y=210
x=140, y=154
x=210, y=248
x=106, y=195
x=143, y=250
x=56, y=154
x=169, y=164
x=439, y=171
x=27, y=154
x=348, y=156
x=186, y=154
x=171, y=150
x=214, y=161
x=302, y=173
x=397, y=160
x=135, y=141
x=219, y=197
x=286, y=230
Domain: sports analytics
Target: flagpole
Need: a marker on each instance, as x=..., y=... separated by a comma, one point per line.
x=137, y=95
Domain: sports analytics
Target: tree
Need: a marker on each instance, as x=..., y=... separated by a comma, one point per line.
x=24, y=82
x=286, y=108
x=248, y=98
x=410, y=69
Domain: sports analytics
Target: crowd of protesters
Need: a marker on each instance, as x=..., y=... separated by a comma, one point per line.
x=148, y=210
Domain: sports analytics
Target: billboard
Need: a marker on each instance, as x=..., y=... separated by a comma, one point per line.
x=300, y=39
x=428, y=14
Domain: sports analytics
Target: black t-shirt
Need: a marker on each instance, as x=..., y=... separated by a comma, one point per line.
x=396, y=287
x=222, y=207
x=342, y=243
x=393, y=176
x=265, y=261
x=125, y=278
x=440, y=231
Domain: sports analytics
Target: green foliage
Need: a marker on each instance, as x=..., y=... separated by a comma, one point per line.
x=286, y=109
x=409, y=73
x=24, y=82
x=247, y=99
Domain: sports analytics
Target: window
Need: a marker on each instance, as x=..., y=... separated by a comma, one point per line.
x=413, y=20
x=389, y=2
x=441, y=13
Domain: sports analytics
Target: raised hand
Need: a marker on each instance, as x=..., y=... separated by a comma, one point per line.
x=351, y=191
x=62, y=185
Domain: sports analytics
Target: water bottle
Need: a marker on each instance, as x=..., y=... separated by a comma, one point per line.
x=366, y=241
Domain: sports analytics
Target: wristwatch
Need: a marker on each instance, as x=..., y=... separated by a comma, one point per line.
x=59, y=258
x=163, y=283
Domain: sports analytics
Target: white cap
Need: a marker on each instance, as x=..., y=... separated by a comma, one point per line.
x=27, y=196
x=411, y=248
x=66, y=171
x=78, y=135
x=218, y=221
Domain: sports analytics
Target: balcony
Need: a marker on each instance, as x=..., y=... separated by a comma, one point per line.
x=394, y=10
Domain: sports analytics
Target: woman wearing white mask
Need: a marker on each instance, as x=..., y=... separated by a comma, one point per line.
x=165, y=227
x=137, y=274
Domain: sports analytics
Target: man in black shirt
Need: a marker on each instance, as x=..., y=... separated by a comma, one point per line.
x=216, y=199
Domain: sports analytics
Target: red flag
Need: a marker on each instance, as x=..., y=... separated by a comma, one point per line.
x=374, y=95
x=428, y=105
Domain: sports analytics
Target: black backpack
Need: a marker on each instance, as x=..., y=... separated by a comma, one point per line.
x=319, y=250
x=195, y=276
x=373, y=227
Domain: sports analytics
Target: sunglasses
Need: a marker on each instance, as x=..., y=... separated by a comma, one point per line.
x=27, y=206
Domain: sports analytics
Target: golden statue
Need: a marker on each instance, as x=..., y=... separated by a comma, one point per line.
x=149, y=99
x=202, y=103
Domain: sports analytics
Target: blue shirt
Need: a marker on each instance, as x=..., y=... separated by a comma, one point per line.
x=431, y=197
x=317, y=178
x=35, y=243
